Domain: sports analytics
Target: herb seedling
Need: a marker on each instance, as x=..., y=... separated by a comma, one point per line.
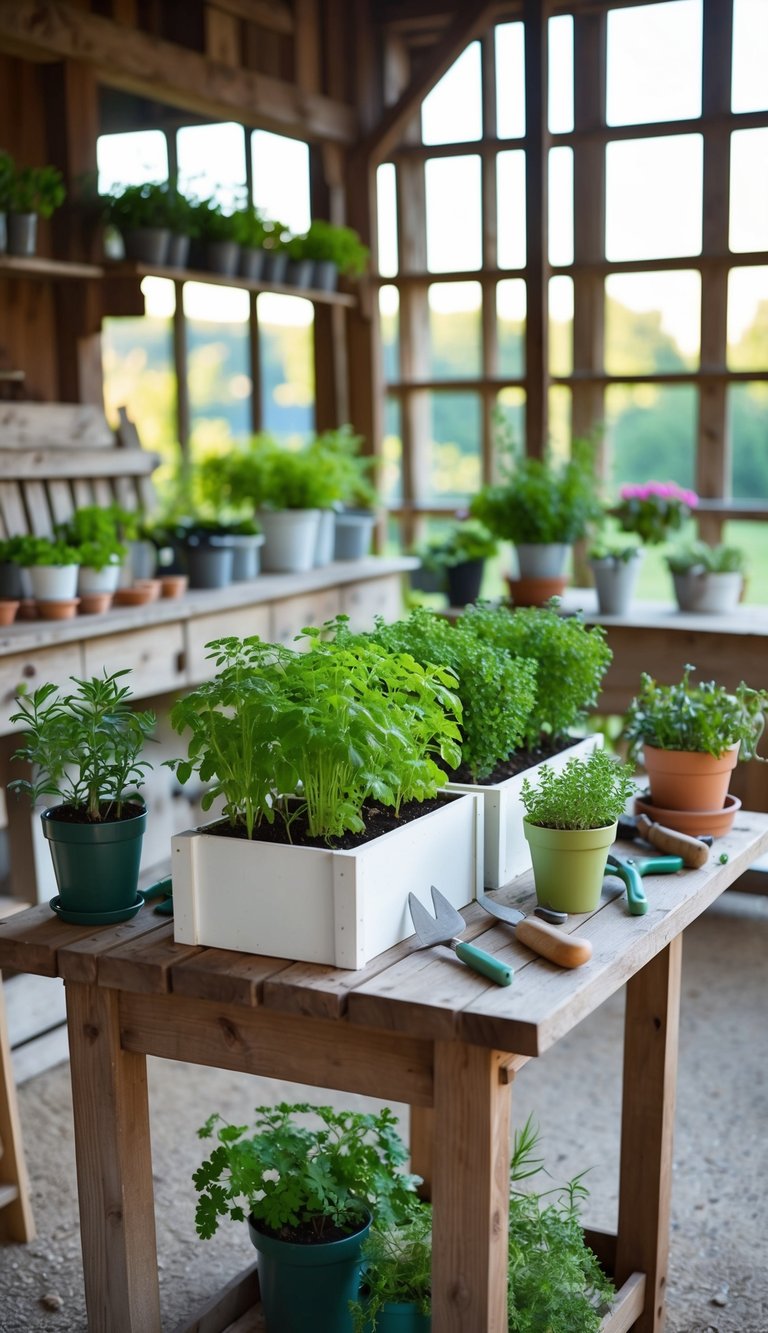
x=397, y=1269
x=585, y=794
x=704, y=717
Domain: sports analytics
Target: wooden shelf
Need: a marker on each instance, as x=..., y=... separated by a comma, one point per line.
x=46, y=270
x=123, y=269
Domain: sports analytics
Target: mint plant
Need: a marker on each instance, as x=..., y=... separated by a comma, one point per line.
x=701, y=716
x=497, y=693
x=397, y=1268
x=302, y=1182
x=84, y=746
x=571, y=661
x=540, y=500
x=585, y=794
x=699, y=556
x=344, y=723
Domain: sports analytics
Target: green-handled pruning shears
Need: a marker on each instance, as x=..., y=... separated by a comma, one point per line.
x=632, y=872
x=162, y=888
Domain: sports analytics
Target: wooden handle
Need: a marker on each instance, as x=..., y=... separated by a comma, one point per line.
x=554, y=944
x=694, y=852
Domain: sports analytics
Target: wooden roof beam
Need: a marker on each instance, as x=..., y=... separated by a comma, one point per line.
x=132, y=60
x=461, y=32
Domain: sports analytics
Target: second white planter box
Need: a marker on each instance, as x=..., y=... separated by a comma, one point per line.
x=507, y=853
x=316, y=905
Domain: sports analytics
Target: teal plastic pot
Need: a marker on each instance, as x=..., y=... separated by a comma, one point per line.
x=568, y=865
x=401, y=1318
x=96, y=865
x=308, y=1288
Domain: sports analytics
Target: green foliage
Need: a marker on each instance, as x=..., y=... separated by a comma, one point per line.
x=537, y=500
x=571, y=661
x=29, y=550
x=617, y=546
x=343, y=723
x=249, y=227
x=36, y=190
x=337, y=453
x=84, y=746
x=654, y=509
x=555, y=1282
x=701, y=716
x=586, y=793
x=467, y=539
x=150, y=204
x=263, y=474
x=95, y=531
x=698, y=556
x=397, y=1267
x=337, y=245
x=209, y=222
x=298, y=1180
x=7, y=170
x=497, y=693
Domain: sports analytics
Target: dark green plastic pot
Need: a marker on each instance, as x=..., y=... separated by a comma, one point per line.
x=96, y=865
x=308, y=1288
x=401, y=1318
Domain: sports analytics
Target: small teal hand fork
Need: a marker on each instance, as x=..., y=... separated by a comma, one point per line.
x=631, y=872
x=443, y=928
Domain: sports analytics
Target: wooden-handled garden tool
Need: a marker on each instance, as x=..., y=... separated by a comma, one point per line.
x=539, y=936
x=694, y=851
x=443, y=928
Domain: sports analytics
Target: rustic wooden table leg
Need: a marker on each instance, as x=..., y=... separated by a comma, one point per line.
x=16, y=1221
x=470, y=1190
x=114, y=1168
x=421, y=1143
x=650, y=1074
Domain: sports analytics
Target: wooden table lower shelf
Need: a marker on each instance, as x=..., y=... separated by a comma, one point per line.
x=412, y=1027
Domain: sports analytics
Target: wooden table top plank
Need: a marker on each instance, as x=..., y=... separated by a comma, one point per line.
x=226, y=975
x=79, y=960
x=29, y=941
x=145, y=963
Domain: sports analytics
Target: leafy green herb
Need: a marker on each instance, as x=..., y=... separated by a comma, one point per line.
x=84, y=747
x=700, y=716
x=571, y=660
x=555, y=1281
x=397, y=1268
x=698, y=556
x=585, y=794
x=298, y=1180
x=266, y=475
x=462, y=541
x=539, y=500
x=343, y=723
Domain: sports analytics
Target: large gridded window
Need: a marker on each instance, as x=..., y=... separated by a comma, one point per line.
x=646, y=301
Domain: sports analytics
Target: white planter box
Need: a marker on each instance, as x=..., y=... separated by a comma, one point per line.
x=322, y=906
x=506, y=852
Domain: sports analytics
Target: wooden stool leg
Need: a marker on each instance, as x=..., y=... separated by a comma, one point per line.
x=16, y=1221
x=114, y=1168
x=650, y=1072
x=470, y=1190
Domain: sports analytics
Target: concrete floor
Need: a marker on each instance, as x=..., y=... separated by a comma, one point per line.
x=719, y=1232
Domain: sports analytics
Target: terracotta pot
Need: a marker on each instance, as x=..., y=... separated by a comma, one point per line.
x=135, y=596
x=152, y=586
x=697, y=823
x=534, y=592
x=95, y=603
x=8, y=611
x=62, y=609
x=689, y=779
x=27, y=609
x=173, y=585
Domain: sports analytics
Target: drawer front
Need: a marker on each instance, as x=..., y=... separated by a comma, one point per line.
x=35, y=669
x=242, y=621
x=155, y=658
x=362, y=602
x=291, y=615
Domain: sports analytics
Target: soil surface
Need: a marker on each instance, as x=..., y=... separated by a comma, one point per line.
x=718, y=1279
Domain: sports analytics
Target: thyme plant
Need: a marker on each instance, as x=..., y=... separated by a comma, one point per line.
x=585, y=794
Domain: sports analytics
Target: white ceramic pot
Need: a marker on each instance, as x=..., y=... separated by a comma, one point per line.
x=90, y=580
x=326, y=533
x=615, y=582
x=290, y=539
x=53, y=583
x=545, y=560
x=699, y=590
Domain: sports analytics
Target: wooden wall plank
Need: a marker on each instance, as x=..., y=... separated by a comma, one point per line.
x=536, y=213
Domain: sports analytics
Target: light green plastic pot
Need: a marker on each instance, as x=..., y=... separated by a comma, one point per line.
x=568, y=865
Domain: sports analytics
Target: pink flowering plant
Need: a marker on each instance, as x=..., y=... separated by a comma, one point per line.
x=654, y=509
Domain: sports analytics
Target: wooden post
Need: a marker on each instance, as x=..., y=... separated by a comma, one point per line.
x=648, y=1114
x=536, y=214
x=589, y=39
x=16, y=1222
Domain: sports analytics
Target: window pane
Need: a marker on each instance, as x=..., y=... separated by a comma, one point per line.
x=281, y=178
x=561, y=206
x=212, y=162
x=510, y=185
x=139, y=372
x=510, y=414
x=560, y=420
x=453, y=213
x=219, y=379
x=130, y=159
x=287, y=365
x=749, y=190
x=560, y=325
x=386, y=193
x=453, y=111
x=454, y=470
x=510, y=315
x=653, y=197
x=650, y=433
x=389, y=314
x=747, y=318
x=652, y=322
x=749, y=86
x=654, y=63
x=748, y=438
x=753, y=540
x=560, y=35
x=454, y=330
x=390, y=475
x=510, y=80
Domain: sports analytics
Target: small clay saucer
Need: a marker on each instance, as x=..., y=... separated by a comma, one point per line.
x=59, y=609
x=173, y=585
x=134, y=596
x=694, y=822
x=95, y=603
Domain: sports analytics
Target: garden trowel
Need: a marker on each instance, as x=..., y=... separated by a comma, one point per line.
x=540, y=936
x=443, y=928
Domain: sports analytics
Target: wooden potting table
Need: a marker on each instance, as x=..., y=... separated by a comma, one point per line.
x=414, y=1027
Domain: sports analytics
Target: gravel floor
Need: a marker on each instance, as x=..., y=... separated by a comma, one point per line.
x=719, y=1262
